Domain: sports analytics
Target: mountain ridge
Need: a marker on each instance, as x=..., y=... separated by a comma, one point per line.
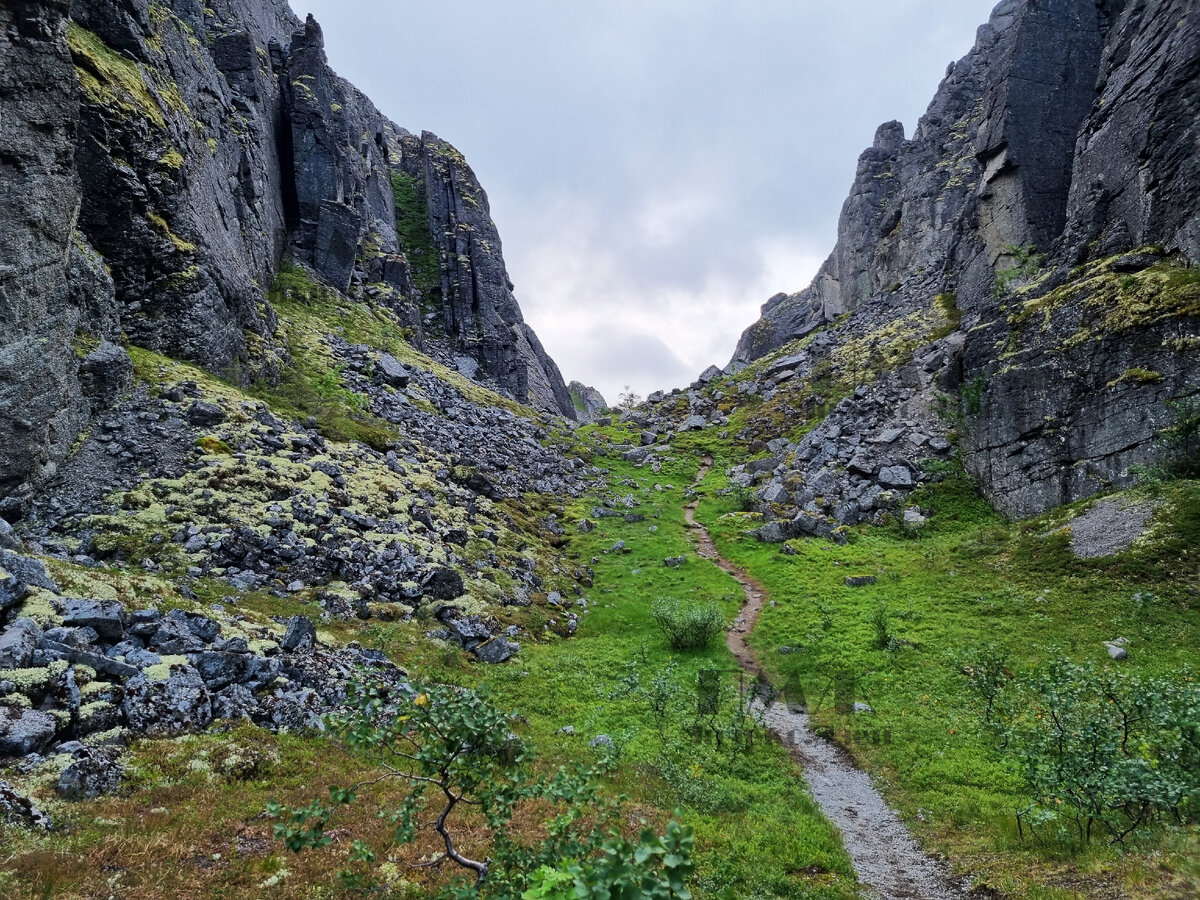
x=1049, y=149
x=172, y=156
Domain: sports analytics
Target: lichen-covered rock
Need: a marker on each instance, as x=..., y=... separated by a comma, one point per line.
x=18, y=642
x=300, y=637
x=25, y=731
x=92, y=773
x=18, y=809
x=173, y=705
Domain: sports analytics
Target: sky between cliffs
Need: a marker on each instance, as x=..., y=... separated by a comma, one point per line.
x=657, y=168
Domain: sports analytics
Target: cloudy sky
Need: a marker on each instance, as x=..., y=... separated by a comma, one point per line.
x=657, y=168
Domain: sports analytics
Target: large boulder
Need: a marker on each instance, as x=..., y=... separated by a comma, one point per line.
x=17, y=644
x=105, y=616
x=173, y=705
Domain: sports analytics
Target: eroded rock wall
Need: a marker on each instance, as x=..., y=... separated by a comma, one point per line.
x=158, y=162
x=1061, y=144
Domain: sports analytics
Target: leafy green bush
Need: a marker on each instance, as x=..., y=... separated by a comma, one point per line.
x=455, y=751
x=1181, y=440
x=687, y=626
x=1100, y=751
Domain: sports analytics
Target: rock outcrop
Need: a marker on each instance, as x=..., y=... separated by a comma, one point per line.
x=589, y=403
x=159, y=161
x=1051, y=191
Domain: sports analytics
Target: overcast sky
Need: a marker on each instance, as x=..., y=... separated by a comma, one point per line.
x=657, y=168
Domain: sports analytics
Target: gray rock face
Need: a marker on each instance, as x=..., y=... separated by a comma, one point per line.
x=480, y=315
x=1063, y=140
x=161, y=215
x=41, y=404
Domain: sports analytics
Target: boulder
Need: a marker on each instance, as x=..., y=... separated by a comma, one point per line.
x=104, y=374
x=205, y=414
x=174, y=705
x=26, y=571
x=18, y=809
x=25, y=731
x=105, y=616
x=497, y=650
x=693, y=423
x=443, y=584
x=895, y=476
x=92, y=773
x=17, y=644
x=392, y=371
x=301, y=635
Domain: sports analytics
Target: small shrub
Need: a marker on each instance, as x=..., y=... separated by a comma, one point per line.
x=1181, y=440
x=1100, y=751
x=687, y=626
x=881, y=621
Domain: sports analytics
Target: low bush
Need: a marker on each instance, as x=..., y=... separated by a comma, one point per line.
x=687, y=626
x=1100, y=751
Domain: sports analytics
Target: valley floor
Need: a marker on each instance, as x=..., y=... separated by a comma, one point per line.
x=190, y=820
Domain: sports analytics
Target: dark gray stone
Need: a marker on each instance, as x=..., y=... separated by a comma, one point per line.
x=300, y=637
x=24, y=731
x=393, y=371
x=17, y=644
x=105, y=616
x=496, y=651
x=93, y=773
x=175, y=705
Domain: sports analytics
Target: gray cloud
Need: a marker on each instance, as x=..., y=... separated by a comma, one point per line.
x=656, y=169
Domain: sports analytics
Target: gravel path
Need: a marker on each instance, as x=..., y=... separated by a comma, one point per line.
x=888, y=862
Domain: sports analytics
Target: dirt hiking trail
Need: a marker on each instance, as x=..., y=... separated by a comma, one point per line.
x=888, y=862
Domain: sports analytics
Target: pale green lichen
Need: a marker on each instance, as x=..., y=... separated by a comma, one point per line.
x=31, y=680
x=162, y=670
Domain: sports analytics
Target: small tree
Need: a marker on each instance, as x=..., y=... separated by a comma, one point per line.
x=1181, y=439
x=628, y=398
x=455, y=751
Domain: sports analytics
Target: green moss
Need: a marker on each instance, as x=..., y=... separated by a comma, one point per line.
x=214, y=445
x=1136, y=376
x=172, y=159
x=117, y=83
x=412, y=230
x=161, y=224
x=1110, y=302
x=1026, y=262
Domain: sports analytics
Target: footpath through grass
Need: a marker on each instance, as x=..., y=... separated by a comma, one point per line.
x=967, y=580
x=758, y=832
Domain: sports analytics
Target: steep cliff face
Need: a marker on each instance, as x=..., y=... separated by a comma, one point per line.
x=160, y=159
x=1060, y=145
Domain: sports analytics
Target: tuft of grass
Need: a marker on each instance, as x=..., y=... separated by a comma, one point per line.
x=687, y=626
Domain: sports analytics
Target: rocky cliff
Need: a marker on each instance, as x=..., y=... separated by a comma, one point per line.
x=1049, y=200
x=160, y=159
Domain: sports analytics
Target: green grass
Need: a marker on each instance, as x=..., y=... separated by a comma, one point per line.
x=412, y=230
x=969, y=579
x=758, y=832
